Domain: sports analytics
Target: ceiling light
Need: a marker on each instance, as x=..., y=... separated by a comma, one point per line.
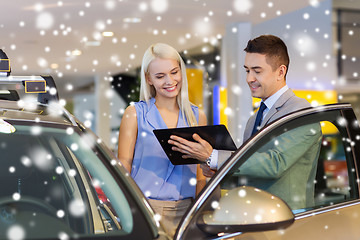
x=132, y=20
x=108, y=34
x=76, y=52
x=92, y=43
x=54, y=65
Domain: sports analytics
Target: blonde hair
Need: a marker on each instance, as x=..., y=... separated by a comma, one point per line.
x=164, y=51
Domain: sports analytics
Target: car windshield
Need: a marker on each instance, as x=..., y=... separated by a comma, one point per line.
x=55, y=185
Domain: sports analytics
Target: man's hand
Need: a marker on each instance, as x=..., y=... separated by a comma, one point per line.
x=207, y=171
x=200, y=149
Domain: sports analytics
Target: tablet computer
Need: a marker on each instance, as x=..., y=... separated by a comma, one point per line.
x=217, y=135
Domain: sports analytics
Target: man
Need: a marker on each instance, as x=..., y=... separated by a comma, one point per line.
x=266, y=65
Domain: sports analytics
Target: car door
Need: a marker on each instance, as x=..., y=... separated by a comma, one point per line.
x=61, y=182
x=296, y=179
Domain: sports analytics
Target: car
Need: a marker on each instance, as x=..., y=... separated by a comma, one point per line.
x=60, y=181
x=228, y=207
x=52, y=169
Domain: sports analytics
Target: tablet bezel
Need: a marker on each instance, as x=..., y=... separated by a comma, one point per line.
x=217, y=135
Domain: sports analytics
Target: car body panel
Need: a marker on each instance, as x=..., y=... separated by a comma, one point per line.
x=340, y=222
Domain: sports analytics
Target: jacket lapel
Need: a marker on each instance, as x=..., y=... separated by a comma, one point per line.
x=270, y=116
x=277, y=106
x=249, y=127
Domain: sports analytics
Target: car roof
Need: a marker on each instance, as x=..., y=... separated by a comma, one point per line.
x=35, y=112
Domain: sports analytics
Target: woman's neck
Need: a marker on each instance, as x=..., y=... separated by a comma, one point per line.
x=169, y=104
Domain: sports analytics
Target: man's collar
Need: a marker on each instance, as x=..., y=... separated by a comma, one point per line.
x=270, y=101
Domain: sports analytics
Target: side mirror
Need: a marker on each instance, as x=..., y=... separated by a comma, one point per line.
x=246, y=209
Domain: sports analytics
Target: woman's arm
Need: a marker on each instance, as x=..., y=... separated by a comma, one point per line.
x=200, y=180
x=127, y=137
x=202, y=118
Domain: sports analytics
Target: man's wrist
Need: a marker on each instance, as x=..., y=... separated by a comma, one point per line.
x=211, y=161
x=208, y=160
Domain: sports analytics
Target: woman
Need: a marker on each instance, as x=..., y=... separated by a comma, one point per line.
x=164, y=103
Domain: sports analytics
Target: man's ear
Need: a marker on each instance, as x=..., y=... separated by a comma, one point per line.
x=282, y=72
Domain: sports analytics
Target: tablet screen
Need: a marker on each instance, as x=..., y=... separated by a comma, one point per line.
x=217, y=135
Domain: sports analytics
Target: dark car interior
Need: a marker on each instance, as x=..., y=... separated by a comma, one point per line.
x=39, y=191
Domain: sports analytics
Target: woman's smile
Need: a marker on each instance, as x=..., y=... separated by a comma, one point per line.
x=170, y=89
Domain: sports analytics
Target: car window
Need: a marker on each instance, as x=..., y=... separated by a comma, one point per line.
x=283, y=164
x=55, y=185
x=306, y=162
x=332, y=178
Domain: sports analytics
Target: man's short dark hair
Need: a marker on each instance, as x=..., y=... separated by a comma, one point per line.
x=272, y=47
